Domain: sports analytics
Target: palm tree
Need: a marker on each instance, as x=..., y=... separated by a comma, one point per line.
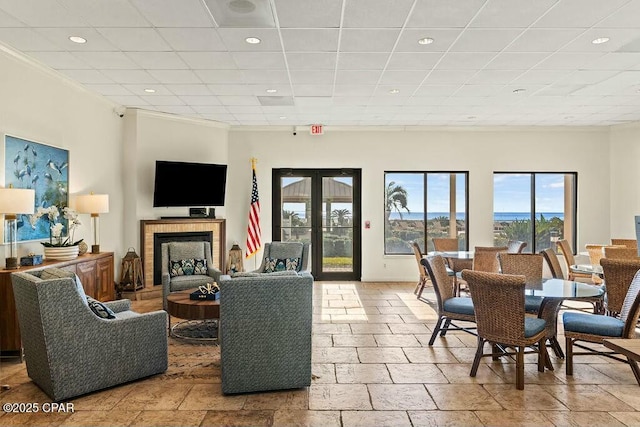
x=395, y=199
x=340, y=215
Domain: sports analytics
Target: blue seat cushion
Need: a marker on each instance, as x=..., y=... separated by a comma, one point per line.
x=592, y=324
x=532, y=303
x=533, y=326
x=460, y=305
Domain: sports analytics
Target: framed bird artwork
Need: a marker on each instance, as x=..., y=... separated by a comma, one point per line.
x=43, y=168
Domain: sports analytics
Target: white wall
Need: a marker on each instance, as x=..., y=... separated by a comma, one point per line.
x=479, y=151
x=41, y=106
x=625, y=180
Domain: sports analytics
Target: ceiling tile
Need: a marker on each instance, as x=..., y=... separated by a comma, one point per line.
x=134, y=39
x=618, y=39
x=465, y=61
x=309, y=13
x=254, y=14
x=26, y=40
x=354, y=90
x=169, y=13
x=7, y=20
x=568, y=61
x=376, y=13
x=515, y=61
x=543, y=40
x=246, y=110
x=259, y=60
x=189, y=90
x=322, y=77
x=157, y=60
x=494, y=76
x=219, y=76
x=625, y=17
x=87, y=76
x=442, y=39
x=208, y=60
x=313, y=90
x=139, y=89
x=413, y=61
x=443, y=14
x=475, y=91
x=363, y=77
x=583, y=77
x=176, y=109
x=106, y=13
x=541, y=76
x=310, y=40
x=261, y=90
x=238, y=100
x=351, y=100
x=175, y=76
x=312, y=61
x=264, y=76
x=511, y=13
x=129, y=76
x=192, y=39
x=447, y=77
x=578, y=13
x=368, y=40
x=37, y=13
x=129, y=101
x=200, y=100
x=234, y=39
x=484, y=40
x=614, y=61
x=108, y=89
x=362, y=61
x=208, y=109
x=436, y=90
x=60, y=60
x=60, y=37
x=394, y=77
x=107, y=60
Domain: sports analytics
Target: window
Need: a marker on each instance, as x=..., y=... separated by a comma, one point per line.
x=422, y=205
x=538, y=208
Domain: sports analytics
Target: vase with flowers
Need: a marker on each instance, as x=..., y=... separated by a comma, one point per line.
x=61, y=245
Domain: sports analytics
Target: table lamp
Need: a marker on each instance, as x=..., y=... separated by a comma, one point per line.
x=93, y=204
x=14, y=201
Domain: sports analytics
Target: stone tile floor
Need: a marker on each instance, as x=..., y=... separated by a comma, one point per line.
x=373, y=367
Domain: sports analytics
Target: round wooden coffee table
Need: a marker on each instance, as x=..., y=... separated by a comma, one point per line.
x=180, y=305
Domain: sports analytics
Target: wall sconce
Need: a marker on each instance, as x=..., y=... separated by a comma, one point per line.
x=14, y=201
x=93, y=204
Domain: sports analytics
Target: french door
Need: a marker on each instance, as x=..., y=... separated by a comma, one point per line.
x=321, y=206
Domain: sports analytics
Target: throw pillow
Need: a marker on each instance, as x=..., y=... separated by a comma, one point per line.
x=188, y=267
x=277, y=264
x=100, y=310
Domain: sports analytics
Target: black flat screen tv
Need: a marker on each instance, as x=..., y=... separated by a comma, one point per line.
x=189, y=184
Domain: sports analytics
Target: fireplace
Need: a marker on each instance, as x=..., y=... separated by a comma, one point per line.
x=157, y=231
x=160, y=238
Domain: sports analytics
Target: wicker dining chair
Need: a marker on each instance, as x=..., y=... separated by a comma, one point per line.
x=629, y=243
x=619, y=252
x=446, y=244
x=593, y=328
x=498, y=300
x=564, y=247
x=618, y=274
x=449, y=306
x=529, y=266
x=422, y=280
x=516, y=246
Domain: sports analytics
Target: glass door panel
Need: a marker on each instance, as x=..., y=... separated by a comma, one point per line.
x=295, y=209
x=337, y=224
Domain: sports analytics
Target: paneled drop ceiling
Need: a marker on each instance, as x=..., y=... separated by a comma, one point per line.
x=346, y=62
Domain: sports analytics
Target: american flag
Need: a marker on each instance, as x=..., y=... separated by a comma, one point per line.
x=254, y=241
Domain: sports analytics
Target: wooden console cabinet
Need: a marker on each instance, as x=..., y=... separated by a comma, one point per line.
x=96, y=272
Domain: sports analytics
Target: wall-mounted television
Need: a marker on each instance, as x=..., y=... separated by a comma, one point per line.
x=189, y=184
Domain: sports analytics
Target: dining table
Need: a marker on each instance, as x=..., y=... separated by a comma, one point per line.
x=453, y=254
x=587, y=269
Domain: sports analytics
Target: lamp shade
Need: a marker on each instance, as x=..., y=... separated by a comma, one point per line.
x=92, y=203
x=17, y=201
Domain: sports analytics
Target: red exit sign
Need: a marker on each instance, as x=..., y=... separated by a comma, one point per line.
x=317, y=130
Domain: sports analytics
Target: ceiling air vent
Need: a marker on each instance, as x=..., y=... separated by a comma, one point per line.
x=241, y=13
x=270, y=101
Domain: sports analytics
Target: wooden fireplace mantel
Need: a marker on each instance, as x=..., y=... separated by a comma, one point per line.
x=149, y=227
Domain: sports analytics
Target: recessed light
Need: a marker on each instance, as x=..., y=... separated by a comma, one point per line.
x=252, y=40
x=150, y=90
x=241, y=6
x=471, y=117
x=600, y=40
x=518, y=90
x=426, y=40
x=271, y=90
x=394, y=91
x=77, y=39
x=283, y=117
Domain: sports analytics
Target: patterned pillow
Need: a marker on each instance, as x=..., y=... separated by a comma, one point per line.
x=188, y=267
x=277, y=264
x=100, y=310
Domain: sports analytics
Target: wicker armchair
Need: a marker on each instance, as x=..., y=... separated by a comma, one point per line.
x=618, y=274
x=422, y=281
x=265, y=331
x=619, y=252
x=516, y=246
x=498, y=300
x=529, y=266
x=594, y=328
x=449, y=306
x=564, y=247
x=71, y=351
x=442, y=244
x=629, y=243
x=175, y=251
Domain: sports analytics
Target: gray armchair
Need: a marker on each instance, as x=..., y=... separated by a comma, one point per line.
x=284, y=250
x=175, y=251
x=70, y=351
x=265, y=331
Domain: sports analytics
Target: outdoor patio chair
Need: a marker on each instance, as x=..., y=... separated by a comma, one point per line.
x=422, y=280
x=618, y=274
x=629, y=243
x=529, y=266
x=516, y=246
x=563, y=246
x=620, y=252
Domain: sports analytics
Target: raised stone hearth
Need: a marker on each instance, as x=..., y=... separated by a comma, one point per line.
x=153, y=232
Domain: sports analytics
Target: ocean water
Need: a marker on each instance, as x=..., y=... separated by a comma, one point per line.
x=497, y=216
